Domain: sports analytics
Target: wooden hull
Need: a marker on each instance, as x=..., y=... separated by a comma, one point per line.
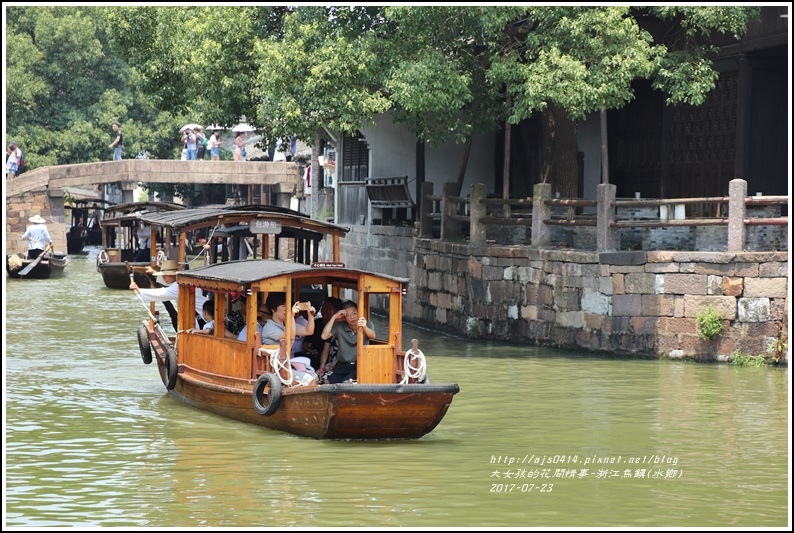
x=51, y=267
x=340, y=411
x=116, y=276
x=74, y=245
x=94, y=237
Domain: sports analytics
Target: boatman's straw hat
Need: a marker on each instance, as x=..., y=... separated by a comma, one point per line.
x=37, y=219
x=169, y=268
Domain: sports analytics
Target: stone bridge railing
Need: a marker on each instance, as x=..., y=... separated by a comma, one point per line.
x=132, y=171
x=41, y=191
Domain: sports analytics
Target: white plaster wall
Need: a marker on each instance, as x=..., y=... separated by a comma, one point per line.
x=393, y=153
x=588, y=137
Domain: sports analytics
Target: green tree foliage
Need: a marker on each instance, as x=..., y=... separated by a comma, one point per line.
x=444, y=71
x=65, y=87
x=199, y=62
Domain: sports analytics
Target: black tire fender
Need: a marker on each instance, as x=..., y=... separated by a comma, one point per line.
x=171, y=368
x=144, y=345
x=273, y=395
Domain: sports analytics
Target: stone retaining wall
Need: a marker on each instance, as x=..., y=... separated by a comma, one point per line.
x=41, y=201
x=632, y=303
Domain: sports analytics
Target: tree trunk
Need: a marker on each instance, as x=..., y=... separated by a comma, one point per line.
x=560, y=152
x=464, y=161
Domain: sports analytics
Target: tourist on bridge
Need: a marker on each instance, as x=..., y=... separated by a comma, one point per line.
x=12, y=162
x=116, y=144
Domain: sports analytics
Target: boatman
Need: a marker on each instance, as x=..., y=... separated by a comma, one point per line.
x=170, y=291
x=38, y=237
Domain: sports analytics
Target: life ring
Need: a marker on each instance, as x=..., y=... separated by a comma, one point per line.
x=171, y=368
x=273, y=395
x=144, y=345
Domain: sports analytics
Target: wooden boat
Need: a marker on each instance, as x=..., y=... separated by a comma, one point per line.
x=265, y=231
x=51, y=265
x=253, y=383
x=119, y=243
x=84, y=228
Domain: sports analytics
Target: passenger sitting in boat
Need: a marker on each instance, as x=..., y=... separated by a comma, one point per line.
x=207, y=312
x=274, y=329
x=302, y=371
x=346, y=334
x=242, y=335
x=325, y=350
x=143, y=234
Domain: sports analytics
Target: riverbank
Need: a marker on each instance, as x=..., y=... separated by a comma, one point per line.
x=631, y=303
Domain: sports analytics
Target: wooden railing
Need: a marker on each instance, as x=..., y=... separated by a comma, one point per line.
x=454, y=218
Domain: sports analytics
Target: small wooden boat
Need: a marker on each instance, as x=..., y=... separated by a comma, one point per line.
x=119, y=243
x=244, y=380
x=84, y=227
x=51, y=265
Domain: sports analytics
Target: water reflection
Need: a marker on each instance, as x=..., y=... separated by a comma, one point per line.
x=92, y=438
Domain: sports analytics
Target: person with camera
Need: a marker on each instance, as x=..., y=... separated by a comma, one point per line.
x=275, y=328
x=345, y=326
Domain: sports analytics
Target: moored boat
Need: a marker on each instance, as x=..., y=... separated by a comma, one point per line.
x=47, y=265
x=391, y=397
x=119, y=243
x=84, y=224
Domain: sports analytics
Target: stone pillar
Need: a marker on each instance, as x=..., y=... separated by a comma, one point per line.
x=737, y=207
x=476, y=212
x=450, y=228
x=425, y=208
x=541, y=233
x=606, y=235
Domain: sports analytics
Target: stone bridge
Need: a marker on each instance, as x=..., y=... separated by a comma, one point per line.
x=41, y=191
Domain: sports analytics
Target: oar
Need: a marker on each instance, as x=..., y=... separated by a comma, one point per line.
x=25, y=271
x=167, y=304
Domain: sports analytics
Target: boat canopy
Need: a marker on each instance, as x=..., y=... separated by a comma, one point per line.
x=232, y=216
x=251, y=271
x=136, y=207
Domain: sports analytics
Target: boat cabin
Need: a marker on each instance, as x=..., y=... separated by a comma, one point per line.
x=379, y=362
x=119, y=238
x=240, y=232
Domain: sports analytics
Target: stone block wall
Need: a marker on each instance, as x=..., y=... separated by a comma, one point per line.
x=630, y=303
x=20, y=207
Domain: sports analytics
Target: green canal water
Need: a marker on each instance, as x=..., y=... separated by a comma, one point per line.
x=536, y=438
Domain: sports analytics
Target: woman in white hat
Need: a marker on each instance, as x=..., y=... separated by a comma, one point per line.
x=37, y=236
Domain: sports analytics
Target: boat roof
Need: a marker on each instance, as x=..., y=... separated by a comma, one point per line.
x=233, y=216
x=245, y=272
x=135, y=207
x=80, y=203
x=128, y=214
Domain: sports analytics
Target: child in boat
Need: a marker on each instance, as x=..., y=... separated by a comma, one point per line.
x=207, y=312
x=302, y=371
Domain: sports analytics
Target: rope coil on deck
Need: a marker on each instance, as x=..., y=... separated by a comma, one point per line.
x=415, y=365
x=278, y=366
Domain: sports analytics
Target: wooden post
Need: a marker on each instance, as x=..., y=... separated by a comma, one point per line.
x=541, y=234
x=606, y=235
x=425, y=208
x=450, y=228
x=737, y=211
x=477, y=210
